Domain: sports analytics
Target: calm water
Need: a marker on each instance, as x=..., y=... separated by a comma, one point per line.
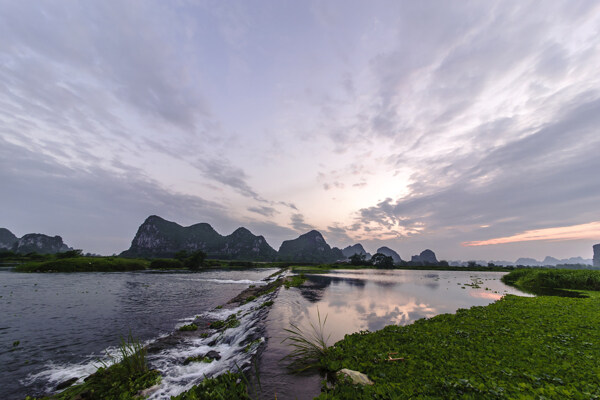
x=356, y=300
x=66, y=322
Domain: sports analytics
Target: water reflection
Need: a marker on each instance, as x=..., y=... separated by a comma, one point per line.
x=361, y=300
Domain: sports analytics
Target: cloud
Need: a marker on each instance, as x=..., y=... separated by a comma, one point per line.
x=263, y=210
x=583, y=231
x=221, y=171
x=94, y=209
x=531, y=181
x=298, y=223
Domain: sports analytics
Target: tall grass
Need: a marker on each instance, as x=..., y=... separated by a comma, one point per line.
x=554, y=279
x=133, y=355
x=309, y=347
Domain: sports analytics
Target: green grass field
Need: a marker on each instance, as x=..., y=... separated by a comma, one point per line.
x=544, y=347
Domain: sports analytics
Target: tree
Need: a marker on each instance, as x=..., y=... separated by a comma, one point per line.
x=358, y=259
x=195, y=261
x=181, y=255
x=70, y=254
x=380, y=260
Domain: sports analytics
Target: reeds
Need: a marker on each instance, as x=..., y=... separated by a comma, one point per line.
x=309, y=347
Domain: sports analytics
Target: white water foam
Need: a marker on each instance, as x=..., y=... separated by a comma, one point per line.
x=239, y=281
x=230, y=344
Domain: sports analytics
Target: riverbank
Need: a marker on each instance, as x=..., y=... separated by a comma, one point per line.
x=517, y=347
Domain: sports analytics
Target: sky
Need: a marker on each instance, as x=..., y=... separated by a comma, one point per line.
x=470, y=128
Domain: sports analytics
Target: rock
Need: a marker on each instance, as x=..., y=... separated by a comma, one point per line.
x=213, y=355
x=148, y=391
x=357, y=378
x=66, y=384
x=596, y=248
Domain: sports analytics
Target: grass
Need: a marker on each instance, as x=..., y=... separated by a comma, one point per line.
x=540, y=279
x=543, y=347
x=294, y=281
x=189, y=327
x=120, y=381
x=230, y=322
x=203, y=359
x=84, y=264
x=309, y=347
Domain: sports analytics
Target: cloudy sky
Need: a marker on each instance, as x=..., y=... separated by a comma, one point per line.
x=471, y=128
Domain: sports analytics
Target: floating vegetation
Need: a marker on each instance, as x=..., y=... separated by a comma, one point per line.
x=229, y=386
x=517, y=347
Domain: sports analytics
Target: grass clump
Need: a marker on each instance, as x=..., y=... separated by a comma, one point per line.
x=228, y=386
x=85, y=264
x=310, y=348
x=189, y=327
x=230, y=322
x=203, y=359
x=266, y=304
x=294, y=281
x=120, y=381
x=249, y=299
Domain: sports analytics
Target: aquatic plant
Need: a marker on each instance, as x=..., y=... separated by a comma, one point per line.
x=518, y=347
x=227, y=386
x=309, y=347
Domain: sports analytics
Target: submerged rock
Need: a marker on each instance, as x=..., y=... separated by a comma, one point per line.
x=66, y=384
x=357, y=378
x=213, y=355
x=148, y=391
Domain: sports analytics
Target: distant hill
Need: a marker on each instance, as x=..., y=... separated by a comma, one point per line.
x=310, y=247
x=7, y=239
x=355, y=249
x=157, y=237
x=31, y=243
x=390, y=253
x=551, y=261
x=427, y=257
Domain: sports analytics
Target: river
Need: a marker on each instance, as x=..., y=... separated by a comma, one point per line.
x=65, y=323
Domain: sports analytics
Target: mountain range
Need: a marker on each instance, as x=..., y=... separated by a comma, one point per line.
x=157, y=237
x=31, y=243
